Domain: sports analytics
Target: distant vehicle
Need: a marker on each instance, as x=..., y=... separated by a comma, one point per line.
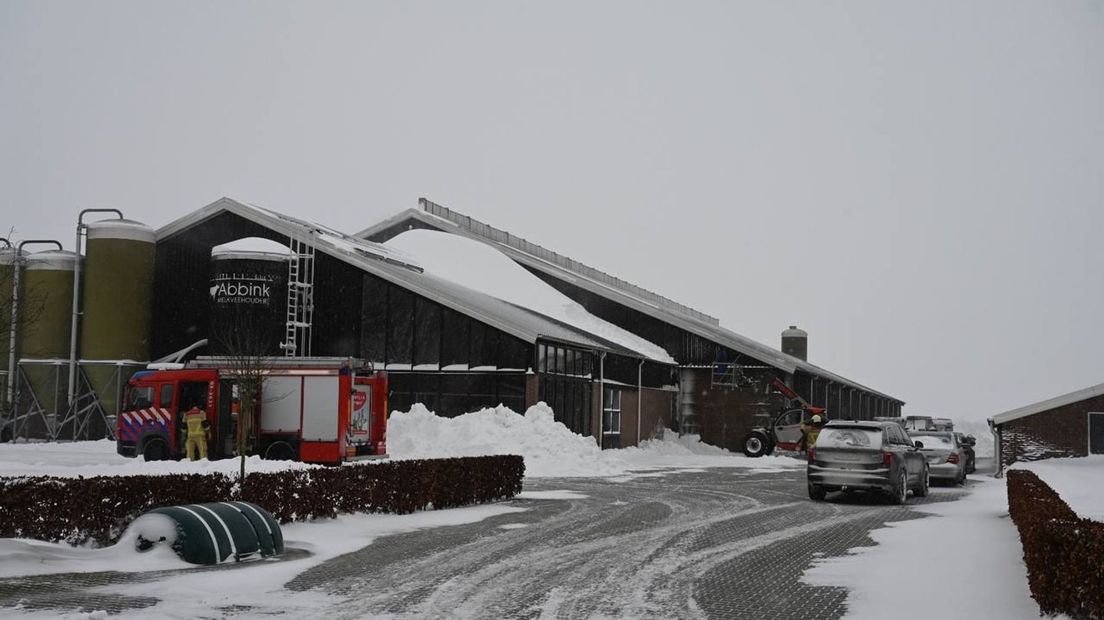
x=898, y=421
x=919, y=423
x=866, y=456
x=945, y=455
x=967, y=442
x=943, y=424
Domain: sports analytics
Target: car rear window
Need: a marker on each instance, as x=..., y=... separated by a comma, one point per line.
x=850, y=438
x=938, y=442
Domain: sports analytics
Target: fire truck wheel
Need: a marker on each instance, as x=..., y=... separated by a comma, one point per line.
x=155, y=449
x=279, y=451
x=756, y=444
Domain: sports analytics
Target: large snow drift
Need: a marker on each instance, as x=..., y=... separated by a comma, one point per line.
x=549, y=448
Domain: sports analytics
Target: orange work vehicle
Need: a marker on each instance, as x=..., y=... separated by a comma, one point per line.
x=313, y=409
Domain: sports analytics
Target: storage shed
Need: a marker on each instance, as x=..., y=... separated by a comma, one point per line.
x=1067, y=425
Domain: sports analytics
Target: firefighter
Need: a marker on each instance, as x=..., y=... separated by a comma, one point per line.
x=196, y=419
x=810, y=431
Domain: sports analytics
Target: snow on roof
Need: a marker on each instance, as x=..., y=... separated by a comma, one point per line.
x=1047, y=405
x=436, y=217
x=482, y=268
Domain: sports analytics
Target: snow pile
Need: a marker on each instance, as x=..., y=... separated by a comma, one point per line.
x=980, y=430
x=550, y=449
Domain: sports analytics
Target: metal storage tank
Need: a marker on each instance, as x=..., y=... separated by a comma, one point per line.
x=47, y=290
x=8, y=255
x=795, y=342
x=117, y=284
x=248, y=295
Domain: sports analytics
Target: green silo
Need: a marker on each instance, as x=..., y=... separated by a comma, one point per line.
x=116, y=286
x=45, y=308
x=7, y=280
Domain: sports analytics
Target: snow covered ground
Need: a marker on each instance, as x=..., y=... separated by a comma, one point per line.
x=964, y=561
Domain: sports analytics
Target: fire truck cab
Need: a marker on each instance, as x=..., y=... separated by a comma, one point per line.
x=317, y=410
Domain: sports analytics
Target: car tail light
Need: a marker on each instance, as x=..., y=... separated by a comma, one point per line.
x=811, y=453
x=887, y=458
x=953, y=458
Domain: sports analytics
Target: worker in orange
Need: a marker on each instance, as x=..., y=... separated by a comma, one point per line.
x=196, y=420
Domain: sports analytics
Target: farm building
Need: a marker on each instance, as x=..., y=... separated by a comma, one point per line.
x=723, y=377
x=614, y=361
x=1067, y=425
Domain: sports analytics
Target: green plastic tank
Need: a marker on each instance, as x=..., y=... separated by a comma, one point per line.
x=116, y=288
x=211, y=533
x=46, y=307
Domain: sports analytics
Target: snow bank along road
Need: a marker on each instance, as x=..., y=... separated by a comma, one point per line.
x=716, y=543
x=709, y=544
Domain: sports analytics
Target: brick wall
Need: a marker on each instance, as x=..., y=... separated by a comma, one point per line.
x=1059, y=432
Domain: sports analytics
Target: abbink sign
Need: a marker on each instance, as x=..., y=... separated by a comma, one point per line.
x=242, y=288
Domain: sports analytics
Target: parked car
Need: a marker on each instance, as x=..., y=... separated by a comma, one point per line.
x=919, y=423
x=866, y=456
x=945, y=455
x=967, y=442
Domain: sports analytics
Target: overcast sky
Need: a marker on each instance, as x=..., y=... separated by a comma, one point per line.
x=919, y=185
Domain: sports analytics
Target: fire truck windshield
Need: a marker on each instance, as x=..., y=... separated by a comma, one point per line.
x=139, y=398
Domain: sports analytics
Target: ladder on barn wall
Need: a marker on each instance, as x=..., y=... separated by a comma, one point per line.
x=300, y=299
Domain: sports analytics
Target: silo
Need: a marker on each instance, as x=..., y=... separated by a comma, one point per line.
x=248, y=296
x=795, y=342
x=45, y=309
x=117, y=284
x=8, y=255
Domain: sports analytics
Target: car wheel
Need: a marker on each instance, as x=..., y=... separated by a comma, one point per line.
x=755, y=444
x=900, y=490
x=817, y=492
x=925, y=483
x=155, y=449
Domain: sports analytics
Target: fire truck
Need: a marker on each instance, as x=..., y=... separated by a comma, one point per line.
x=318, y=410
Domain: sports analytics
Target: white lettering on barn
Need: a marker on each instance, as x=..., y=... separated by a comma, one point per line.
x=241, y=288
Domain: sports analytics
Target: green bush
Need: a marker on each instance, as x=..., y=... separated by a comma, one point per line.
x=98, y=509
x=1064, y=553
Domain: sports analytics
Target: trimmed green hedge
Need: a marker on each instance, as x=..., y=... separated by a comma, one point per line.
x=98, y=509
x=1064, y=553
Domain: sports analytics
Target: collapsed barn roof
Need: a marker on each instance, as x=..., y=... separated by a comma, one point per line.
x=432, y=216
x=403, y=270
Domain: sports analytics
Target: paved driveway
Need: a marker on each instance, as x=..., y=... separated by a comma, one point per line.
x=717, y=543
x=712, y=544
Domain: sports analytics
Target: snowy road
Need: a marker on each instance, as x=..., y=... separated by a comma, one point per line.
x=701, y=544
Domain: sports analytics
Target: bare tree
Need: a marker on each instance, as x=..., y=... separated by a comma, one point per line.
x=245, y=340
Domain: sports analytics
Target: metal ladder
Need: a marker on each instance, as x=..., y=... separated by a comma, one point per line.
x=300, y=299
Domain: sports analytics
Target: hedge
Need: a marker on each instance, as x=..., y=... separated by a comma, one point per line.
x=1064, y=553
x=97, y=509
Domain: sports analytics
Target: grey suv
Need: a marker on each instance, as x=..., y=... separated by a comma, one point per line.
x=866, y=456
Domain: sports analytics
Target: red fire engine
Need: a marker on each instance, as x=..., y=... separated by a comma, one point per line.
x=318, y=410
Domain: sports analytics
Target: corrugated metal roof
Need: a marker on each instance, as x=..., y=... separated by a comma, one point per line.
x=437, y=217
x=403, y=271
x=1047, y=405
